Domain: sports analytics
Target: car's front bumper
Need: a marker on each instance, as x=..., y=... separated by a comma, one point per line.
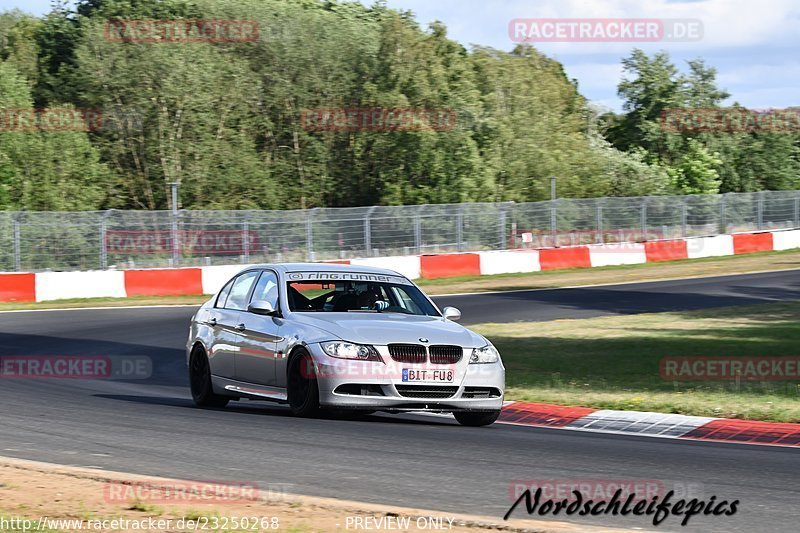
x=347, y=384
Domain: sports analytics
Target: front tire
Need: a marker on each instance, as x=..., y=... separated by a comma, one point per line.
x=200, y=381
x=477, y=419
x=303, y=389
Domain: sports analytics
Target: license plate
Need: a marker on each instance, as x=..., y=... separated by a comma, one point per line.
x=439, y=376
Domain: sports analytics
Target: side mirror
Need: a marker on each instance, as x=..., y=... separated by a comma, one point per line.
x=451, y=313
x=261, y=307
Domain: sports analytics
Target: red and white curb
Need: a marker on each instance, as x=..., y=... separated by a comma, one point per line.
x=650, y=424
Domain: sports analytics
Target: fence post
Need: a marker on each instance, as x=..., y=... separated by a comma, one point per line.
x=760, y=211
x=17, y=251
x=418, y=230
x=103, y=241
x=246, y=237
x=310, y=234
x=599, y=222
x=174, y=237
x=502, y=222
x=460, y=228
x=644, y=219
x=368, y=231
x=684, y=217
x=174, y=226
x=723, y=215
x=554, y=221
x=797, y=212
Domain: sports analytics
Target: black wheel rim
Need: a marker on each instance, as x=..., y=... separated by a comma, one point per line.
x=199, y=376
x=301, y=385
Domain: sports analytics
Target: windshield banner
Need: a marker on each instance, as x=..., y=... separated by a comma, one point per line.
x=333, y=277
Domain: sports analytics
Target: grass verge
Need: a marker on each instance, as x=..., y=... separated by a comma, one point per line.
x=78, y=303
x=613, y=362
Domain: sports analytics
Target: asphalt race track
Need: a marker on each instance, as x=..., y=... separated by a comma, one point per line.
x=150, y=427
x=647, y=297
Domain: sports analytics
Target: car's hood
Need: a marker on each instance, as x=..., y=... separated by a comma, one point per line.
x=386, y=328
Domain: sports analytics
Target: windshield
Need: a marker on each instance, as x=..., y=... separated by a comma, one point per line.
x=355, y=296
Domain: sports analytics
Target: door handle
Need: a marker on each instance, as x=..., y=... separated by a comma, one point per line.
x=212, y=321
x=240, y=328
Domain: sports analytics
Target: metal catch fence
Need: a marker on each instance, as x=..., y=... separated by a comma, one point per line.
x=36, y=241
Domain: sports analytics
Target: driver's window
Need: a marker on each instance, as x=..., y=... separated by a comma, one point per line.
x=267, y=289
x=237, y=299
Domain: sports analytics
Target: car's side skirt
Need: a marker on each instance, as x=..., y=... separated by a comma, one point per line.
x=241, y=389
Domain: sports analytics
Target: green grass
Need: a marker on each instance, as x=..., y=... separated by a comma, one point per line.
x=200, y=515
x=105, y=302
x=613, y=362
x=143, y=507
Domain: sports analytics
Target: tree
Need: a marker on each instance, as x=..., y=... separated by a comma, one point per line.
x=225, y=119
x=697, y=171
x=651, y=86
x=45, y=170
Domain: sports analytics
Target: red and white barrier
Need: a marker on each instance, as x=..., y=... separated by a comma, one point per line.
x=450, y=265
x=92, y=284
x=617, y=254
x=18, y=287
x=45, y=286
x=671, y=250
x=164, y=282
x=561, y=258
x=407, y=265
x=786, y=240
x=719, y=245
x=509, y=262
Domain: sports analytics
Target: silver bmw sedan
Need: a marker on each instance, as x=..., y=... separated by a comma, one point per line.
x=340, y=337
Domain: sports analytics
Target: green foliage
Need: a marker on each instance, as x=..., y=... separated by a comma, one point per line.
x=225, y=119
x=696, y=172
x=45, y=170
x=698, y=162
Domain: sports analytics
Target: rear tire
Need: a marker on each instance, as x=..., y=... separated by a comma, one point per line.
x=200, y=381
x=477, y=419
x=303, y=389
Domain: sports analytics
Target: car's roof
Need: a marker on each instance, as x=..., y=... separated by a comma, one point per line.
x=327, y=267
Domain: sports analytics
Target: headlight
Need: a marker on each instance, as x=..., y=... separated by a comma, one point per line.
x=487, y=354
x=348, y=350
